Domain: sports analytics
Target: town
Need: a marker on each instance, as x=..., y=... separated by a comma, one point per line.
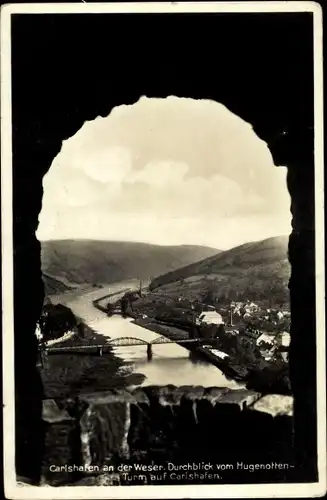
x=246, y=340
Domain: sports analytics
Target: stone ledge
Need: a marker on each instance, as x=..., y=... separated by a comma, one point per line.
x=274, y=404
x=165, y=423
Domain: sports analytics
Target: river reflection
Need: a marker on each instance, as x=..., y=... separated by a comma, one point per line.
x=170, y=363
x=181, y=371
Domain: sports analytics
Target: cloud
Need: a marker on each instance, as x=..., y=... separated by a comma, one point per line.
x=167, y=191
x=109, y=165
x=189, y=167
x=161, y=174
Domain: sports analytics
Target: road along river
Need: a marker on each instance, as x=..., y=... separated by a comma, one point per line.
x=170, y=364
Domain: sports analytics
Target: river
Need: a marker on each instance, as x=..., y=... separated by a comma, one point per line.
x=170, y=364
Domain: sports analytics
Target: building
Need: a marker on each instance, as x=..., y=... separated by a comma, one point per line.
x=268, y=354
x=251, y=308
x=283, y=339
x=210, y=318
x=284, y=355
x=265, y=339
x=251, y=332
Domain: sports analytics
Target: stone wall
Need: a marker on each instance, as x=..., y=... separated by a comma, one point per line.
x=157, y=425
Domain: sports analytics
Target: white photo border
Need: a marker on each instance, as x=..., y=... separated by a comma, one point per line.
x=12, y=490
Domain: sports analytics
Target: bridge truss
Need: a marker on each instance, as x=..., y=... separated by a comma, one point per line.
x=120, y=342
x=130, y=341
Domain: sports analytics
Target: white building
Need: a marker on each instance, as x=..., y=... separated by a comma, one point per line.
x=251, y=308
x=265, y=339
x=210, y=318
x=285, y=339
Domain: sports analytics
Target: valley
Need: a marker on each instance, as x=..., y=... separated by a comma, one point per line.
x=170, y=304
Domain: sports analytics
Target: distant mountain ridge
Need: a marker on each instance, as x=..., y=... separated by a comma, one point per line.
x=72, y=262
x=256, y=270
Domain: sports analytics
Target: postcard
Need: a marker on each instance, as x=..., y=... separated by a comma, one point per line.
x=163, y=250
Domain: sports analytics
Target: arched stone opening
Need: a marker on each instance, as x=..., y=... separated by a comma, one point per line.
x=189, y=165
x=50, y=82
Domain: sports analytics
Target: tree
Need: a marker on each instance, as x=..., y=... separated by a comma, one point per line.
x=56, y=320
x=209, y=296
x=208, y=331
x=109, y=309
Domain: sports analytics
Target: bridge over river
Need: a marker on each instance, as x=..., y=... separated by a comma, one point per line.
x=171, y=363
x=123, y=342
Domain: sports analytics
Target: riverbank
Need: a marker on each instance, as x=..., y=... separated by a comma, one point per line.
x=272, y=379
x=71, y=374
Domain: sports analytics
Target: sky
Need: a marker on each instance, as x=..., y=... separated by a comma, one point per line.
x=166, y=171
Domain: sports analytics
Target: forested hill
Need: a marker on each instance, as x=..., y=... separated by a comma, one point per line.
x=256, y=270
x=98, y=262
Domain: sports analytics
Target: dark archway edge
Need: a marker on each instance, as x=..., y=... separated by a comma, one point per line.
x=68, y=69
